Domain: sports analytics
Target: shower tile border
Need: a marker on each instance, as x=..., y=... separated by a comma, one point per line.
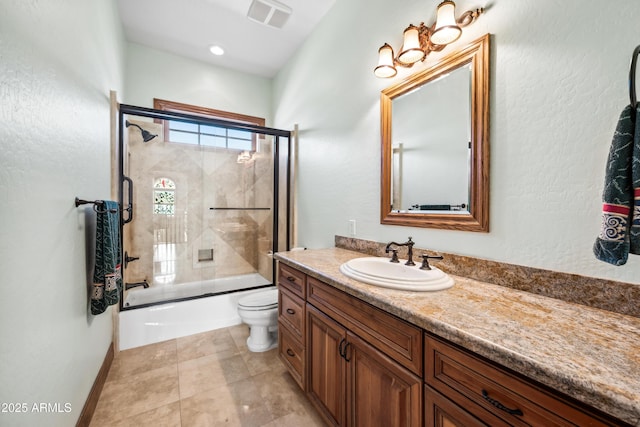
x=610, y=295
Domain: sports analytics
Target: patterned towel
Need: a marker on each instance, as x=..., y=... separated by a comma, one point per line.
x=107, y=278
x=634, y=231
x=620, y=231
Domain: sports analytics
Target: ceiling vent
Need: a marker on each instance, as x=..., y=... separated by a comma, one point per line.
x=269, y=12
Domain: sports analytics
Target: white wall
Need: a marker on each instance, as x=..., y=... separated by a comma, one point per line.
x=152, y=73
x=559, y=82
x=58, y=61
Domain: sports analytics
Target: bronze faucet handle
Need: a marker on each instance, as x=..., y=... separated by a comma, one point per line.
x=394, y=256
x=425, y=261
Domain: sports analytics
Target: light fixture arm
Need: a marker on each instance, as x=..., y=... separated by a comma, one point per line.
x=469, y=17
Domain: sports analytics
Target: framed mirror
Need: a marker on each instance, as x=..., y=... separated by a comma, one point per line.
x=435, y=144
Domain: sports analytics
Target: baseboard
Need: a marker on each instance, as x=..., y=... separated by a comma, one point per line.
x=92, y=400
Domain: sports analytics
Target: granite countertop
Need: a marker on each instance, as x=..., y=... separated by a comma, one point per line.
x=589, y=354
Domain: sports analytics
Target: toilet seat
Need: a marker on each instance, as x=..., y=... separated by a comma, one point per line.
x=258, y=301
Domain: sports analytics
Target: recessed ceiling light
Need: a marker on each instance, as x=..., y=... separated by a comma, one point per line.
x=216, y=50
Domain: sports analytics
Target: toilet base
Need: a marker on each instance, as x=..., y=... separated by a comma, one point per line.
x=262, y=338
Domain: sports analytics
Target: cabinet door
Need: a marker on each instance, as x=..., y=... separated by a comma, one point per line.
x=441, y=412
x=326, y=367
x=380, y=391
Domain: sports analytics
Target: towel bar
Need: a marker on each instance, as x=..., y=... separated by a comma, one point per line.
x=632, y=76
x=97, y=204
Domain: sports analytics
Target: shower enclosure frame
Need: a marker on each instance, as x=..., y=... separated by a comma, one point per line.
x=125, y=109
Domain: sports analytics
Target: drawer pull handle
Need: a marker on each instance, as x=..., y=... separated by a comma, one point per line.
x=291, y=311
x=290, y=352
x=499, y=405
x=291, y=279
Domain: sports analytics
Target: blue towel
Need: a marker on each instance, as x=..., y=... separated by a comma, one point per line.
x=620, y=230
x=107, y=277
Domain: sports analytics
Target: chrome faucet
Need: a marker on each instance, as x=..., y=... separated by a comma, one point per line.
x=409, y=244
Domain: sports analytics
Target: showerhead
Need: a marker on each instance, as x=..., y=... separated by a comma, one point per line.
x=146, y=135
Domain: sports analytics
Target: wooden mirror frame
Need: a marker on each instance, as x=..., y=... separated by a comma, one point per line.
x=477, y=54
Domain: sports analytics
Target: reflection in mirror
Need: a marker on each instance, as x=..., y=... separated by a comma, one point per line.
x=435, y=144
x=430, y=170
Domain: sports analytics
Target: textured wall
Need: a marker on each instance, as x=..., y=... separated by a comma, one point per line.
x=54, y=136
x=155, y=74
x=559, y=82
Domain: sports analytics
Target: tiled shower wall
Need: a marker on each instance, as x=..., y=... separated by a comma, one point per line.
x=205, y=178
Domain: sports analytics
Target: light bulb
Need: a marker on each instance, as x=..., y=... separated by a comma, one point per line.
x=447, y=29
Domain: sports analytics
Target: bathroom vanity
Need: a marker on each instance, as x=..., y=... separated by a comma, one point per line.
x=474, y=354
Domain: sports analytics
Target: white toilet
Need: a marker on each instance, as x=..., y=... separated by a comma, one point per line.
x=259, y=310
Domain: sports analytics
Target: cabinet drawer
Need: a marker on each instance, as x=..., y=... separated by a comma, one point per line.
x=440, y=411
x=393, y=336
x=496, y=396
x=292, y=354
x=291, y=312
x=292, y=279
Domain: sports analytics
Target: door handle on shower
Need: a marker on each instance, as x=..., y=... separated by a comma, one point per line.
x=129, y=207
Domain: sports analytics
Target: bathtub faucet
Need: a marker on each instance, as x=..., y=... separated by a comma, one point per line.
x=128, y=286
x=409, y=244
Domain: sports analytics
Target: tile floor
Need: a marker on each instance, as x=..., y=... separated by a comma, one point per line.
x=208, y=379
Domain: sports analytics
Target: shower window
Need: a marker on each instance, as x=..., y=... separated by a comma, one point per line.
x=207, y=135
x=164, y=197
x=210, y=136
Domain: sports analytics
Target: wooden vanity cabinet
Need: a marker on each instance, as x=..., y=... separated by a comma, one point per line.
x=292, y=280
x=291, y=322
x=380, y=392
x=352, y=383
x=359, y=365
x=292, y=353
x=327, y=370
x=362, y=366
x=291, y=309
x=396, y=338
x=440, y=411
x=479, y=392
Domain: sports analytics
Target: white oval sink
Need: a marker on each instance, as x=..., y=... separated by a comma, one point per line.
x=381, y=272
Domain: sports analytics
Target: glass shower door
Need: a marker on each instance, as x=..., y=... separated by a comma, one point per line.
x=205, y=208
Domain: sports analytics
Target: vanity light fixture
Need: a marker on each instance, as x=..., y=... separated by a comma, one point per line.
x=419, y=41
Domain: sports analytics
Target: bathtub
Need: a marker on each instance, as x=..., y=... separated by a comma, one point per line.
x=155, y=323
x=159, y=293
